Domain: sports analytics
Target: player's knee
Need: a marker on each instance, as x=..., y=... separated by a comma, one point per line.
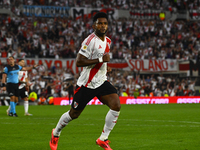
x=116, y=107
x=74, y=115
x=12, y=98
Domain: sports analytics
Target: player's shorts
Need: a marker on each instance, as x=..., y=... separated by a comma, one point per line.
x=83, y=94
x=23, y=92
x=13, y=89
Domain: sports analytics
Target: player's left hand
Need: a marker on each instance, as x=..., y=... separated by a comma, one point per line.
x=106, y=57
x=36, y=65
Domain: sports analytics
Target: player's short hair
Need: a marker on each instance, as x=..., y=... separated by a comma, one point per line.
x=11, y=57
x=20, y=60
x=99, y=15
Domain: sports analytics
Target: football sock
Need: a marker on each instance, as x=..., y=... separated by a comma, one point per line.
x=26, y=106
x=110, y=121
x=15, y=104
x=12, y=107
x=9, y=109
x=6, y=103
x=64, y=120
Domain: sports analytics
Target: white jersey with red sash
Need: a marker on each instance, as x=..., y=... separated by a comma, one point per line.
x=93, y=47
x=22, y=77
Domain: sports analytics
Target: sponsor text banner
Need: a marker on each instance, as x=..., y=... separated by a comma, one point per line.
x=139, y=100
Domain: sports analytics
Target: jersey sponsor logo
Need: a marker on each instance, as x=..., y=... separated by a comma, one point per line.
x=100, y=47
x=83, y=50
x=100, y=55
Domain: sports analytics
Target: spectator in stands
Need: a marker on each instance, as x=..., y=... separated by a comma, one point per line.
x=42, y=100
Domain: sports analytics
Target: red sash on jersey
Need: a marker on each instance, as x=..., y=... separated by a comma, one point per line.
x=22, y=78
x=96, y=68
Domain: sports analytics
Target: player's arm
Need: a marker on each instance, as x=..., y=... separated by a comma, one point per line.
x=4, y=76
x=82, y=61
x=29, y=68
x=27, y=81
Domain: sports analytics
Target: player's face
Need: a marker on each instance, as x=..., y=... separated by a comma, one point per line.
x=11, y=61
x=101, y=26
x=22, y=63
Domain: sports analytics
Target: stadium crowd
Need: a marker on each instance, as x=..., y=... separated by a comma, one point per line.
x=55, y=83
x=27, y=37
x=31, y=37
x=118, y=4
x=139, y=39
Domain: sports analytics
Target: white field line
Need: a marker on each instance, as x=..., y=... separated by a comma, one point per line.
x=182, y=123
x=189, y=122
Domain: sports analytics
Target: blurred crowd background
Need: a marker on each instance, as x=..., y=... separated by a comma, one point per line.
x=61, y=38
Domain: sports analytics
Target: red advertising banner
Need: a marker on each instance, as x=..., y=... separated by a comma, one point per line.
x=139, y=100
x=152, y=65
x=131, y=64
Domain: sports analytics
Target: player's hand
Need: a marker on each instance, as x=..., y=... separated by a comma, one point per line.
x=106, y=58
x=28, y=84
x=35, y=65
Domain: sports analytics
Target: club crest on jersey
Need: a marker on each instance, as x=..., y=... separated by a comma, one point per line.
x=84, y=47
x=75, y=104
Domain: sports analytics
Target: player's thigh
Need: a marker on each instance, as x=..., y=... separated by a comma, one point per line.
x=75, y=113
x=107, y=94
x=9, y=89
x=23, y=93
x=12, y=89
x=82, y=96
x=112, y=101
x=16, y=90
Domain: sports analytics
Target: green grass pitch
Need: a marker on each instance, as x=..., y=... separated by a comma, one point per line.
x=139, y=127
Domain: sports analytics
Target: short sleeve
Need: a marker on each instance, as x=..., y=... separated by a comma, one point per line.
x=20, y=67
x=86, y=49
x=5, y=70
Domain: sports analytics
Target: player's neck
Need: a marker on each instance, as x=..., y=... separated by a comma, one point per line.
x=102, y=37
